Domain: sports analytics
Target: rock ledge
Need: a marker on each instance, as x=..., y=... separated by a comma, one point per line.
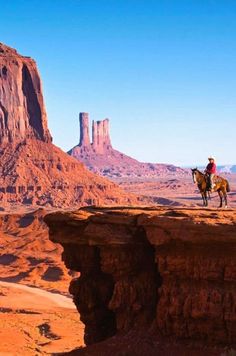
x=175, y=268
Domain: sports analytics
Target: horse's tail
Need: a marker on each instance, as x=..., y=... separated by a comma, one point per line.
x=227, y=186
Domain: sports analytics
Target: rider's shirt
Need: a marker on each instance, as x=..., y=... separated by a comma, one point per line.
x=211, y=168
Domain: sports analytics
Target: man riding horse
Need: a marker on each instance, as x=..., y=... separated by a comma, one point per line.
x=209, y=181
x=210, y=172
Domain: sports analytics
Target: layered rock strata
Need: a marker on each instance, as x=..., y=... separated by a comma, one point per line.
x=172, y=268
x=39, y=173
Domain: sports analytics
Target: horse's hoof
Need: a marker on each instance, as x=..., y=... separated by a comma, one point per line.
x=226, y=206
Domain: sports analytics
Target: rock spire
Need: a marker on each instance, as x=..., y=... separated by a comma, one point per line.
x=84, y=129
x=100, y=134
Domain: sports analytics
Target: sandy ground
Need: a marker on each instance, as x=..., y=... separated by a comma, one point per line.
x=44, y=299
x=37, y=322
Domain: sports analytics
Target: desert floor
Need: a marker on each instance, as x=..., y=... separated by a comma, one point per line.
x=37, y=322
x=174, y=191
x=34, y=321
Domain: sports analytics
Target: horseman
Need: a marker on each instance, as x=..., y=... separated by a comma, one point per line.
x=210, y=172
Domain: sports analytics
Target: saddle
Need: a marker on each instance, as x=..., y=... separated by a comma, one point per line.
x=216, y=179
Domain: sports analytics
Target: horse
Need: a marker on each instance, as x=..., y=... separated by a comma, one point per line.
x=221, y=187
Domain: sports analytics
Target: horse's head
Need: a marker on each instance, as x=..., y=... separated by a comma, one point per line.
x=194, y=174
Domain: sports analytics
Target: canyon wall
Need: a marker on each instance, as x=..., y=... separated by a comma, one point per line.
x=171, y=268
x=22, y=110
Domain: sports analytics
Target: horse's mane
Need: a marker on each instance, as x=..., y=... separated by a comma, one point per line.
x=197, y=170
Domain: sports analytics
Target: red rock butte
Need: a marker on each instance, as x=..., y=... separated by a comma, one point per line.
x=100, y=157
x=32, y=169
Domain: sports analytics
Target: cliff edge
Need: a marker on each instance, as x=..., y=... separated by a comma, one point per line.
x=174, y=269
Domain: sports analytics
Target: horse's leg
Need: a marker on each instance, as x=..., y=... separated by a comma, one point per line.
x=224, y=193
x=226, y=200
x=221, y=198
x=206, y=199
x=203, y=198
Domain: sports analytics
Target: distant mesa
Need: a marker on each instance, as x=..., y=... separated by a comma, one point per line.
x=227, y=169
x=32, y=169
x=100, y=157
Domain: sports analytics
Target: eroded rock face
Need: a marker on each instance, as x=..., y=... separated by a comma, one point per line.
x=101, y=136
x=84, y=129
x=22, y=110
x=176, y=268
x=39, y=173
x=109, y=298
x=101, y=142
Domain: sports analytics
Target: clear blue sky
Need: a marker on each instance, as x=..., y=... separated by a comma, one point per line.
x=163, y=71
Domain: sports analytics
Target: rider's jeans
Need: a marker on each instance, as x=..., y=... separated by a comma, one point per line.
x=211, y=177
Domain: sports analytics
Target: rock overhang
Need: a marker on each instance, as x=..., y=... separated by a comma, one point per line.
x=172, y=267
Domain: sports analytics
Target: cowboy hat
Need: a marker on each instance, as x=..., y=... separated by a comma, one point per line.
x=211, y=157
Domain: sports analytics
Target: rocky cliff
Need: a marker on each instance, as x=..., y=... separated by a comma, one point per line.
x=22, y=110
x=32, y=169
x=100, y=157
x=174, y=269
